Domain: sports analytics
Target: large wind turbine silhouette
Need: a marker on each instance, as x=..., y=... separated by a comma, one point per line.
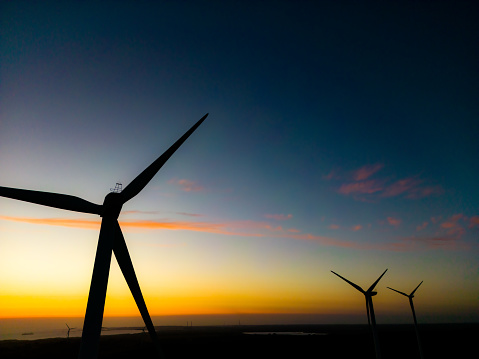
x=411, y=296
x=110, y=239
x=368, y=294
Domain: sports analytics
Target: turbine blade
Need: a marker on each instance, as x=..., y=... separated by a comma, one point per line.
x=49, y=199
x=143, y=178
x=354, y=285
x=96, y=298
x=398, y=291
x=124, y=261
x=376, y=282
x=412, y=293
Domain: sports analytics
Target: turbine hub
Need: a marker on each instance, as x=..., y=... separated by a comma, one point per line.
x=112, y=205
x=372, y=294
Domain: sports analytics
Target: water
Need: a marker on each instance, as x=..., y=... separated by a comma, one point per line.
x=13, y=328
x=42, y=328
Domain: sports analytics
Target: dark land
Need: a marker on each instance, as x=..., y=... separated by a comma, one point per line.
x=327, y=341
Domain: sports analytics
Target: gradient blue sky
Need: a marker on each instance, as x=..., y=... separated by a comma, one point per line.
x=340, y=137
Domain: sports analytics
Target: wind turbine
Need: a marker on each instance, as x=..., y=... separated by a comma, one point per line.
x=411, y=296
x=110, y=239
x=68, y=334
x=369, y=294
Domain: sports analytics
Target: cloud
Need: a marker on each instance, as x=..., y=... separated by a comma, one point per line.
x=422, y=226
x=333, y=226
x=293, y=230
x=278, y=217
x=363, y=189
x=187, y=185
x=331, y=175
x=421, y=192
x=60, y=222
x=474, y=222
x=232, y=228
x=394, y=221
x=400, y=187
x=448, y=237
x=366, y=171
x=360, y=187
x=452, y=227
x=437, y=241
x=189, y=214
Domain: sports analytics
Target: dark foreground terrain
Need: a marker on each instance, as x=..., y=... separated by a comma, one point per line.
x=339, y=341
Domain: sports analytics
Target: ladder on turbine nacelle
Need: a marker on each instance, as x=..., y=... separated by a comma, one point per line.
x=117, y=188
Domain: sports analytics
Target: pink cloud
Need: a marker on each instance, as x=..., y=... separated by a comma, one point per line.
x=452, y=221
x=394, y=221
x=367, y=187
x=474, y=221
x=401, y=186
x=452, y=228
x=278, y=217
x=363, y=188
x=187, y=185
x=331, y=175
x=190, y=214
x=293, y=230
x=446, y=242
x=357, y=227
x=366, y=171
x=333, y=226
x=422, y=226
x=421, y=192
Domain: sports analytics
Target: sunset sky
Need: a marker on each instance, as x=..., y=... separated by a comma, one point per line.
x=339, y=137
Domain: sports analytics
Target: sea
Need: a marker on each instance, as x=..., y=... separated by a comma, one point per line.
x=42, y=328
x=64, y=327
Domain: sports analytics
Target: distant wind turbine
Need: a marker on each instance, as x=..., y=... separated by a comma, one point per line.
x=68, y=334
x=411, y=296
x=369, y=308
x=110, y=239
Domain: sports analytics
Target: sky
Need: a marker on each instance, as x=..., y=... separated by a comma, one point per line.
x=340, y=137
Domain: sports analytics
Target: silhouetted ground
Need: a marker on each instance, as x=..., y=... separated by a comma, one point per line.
x=341, y=341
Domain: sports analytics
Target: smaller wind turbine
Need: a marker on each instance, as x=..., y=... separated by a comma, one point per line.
x=68, y=334
x=411, y=296
x=369, y=294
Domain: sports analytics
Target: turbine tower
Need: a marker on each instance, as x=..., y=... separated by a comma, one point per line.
x=411, y=296
x=110, y=239
x=368, y=294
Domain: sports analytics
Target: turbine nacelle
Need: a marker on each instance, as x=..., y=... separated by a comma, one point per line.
x=112, y=204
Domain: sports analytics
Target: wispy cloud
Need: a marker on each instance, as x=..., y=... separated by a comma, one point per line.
x=448, y=237
x=367, y=187
x=452, y=227
x=189, y=214
x=234, y=228
x=278, y=217
x=60, y=222
x=186, y=185
x=333, y=226
x=474, y=222
x=367, y=171
x=399, y=187
x=394, y=221
x=422, y=226
x=363, y=188
x=445, y=242
x=331, y=175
